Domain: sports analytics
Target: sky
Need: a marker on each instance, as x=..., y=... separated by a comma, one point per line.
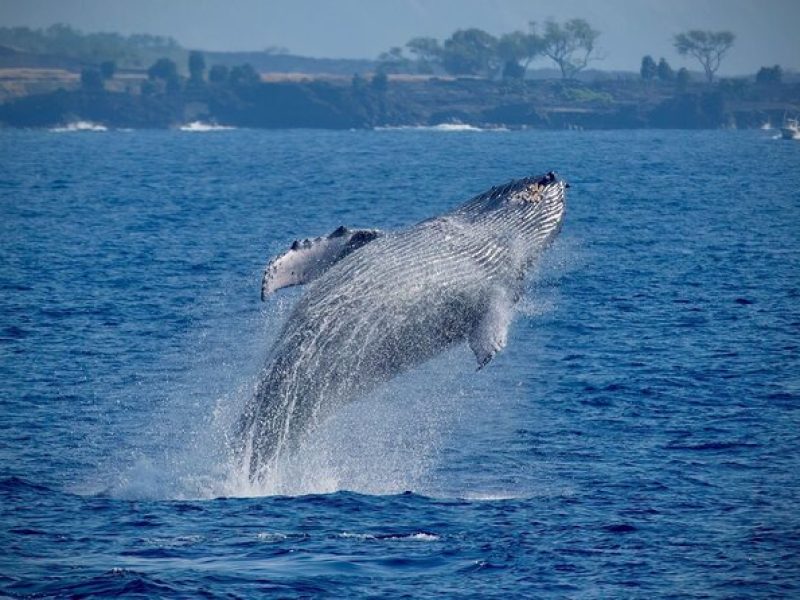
x=766, y=31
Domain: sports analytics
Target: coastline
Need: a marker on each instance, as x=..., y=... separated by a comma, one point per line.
x=359, y=104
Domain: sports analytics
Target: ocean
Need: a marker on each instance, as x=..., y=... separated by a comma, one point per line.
x=638, y=437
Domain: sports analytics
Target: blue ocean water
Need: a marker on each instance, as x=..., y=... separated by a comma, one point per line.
x=638, y=436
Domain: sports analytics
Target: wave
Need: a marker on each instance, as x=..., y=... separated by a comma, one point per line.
x=15, y=485
x=200, y=126
x=444, y=127
x=420, y=536
x=79, y=126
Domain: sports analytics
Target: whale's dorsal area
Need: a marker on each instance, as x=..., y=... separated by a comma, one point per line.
x=307, y=259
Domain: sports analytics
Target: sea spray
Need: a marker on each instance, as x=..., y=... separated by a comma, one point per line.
x=384, y=443
x=388, y=442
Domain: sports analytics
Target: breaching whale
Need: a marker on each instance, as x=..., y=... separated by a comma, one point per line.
x=379, y=303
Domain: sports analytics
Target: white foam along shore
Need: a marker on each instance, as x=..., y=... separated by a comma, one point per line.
x=202, y=127
x=446, y=127
x=80, y=126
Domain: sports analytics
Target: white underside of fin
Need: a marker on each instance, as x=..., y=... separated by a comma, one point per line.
x=307, y=259
x=490, y=334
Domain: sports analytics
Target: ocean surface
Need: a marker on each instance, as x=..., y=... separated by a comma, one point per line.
x=637, y=438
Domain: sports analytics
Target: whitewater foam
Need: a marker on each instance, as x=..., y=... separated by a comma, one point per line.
x=200, y=126
x=411, y=537
x=79, y=126
x=442, y=127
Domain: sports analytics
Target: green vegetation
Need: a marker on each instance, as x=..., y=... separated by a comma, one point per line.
x=570, y=45
x=163, y=68
x=584, y=95
x=470, y=52
x=517, y=50
x=682, y=79
x=91, y=80
x=708, y=47
x=380, y=82
x=197, y=66
x=426, y=51
x=107, y=69
x=243, y=75
x=474, y=52
x=767, y=75
x=649, y=69
x=393, y=61
x=133, y=51
x=664, y=71
x=218, y=74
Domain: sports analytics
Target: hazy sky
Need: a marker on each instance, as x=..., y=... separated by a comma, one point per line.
x=767, y=30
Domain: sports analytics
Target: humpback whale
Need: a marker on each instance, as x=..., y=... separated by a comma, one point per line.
x=378, y=303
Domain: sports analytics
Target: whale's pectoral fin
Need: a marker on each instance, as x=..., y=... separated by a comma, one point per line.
x=490, y=333
x=308, y=259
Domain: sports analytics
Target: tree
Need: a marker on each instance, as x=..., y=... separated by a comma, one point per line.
x=358, y=84
x=88, y=48
x=148, y=87
x=682, y=79
x=218, y=74
x=513, y=70
x=164, y=69
x=470, y=52
x=197, y=65
x=173, y=84
x=427, y=52
x=768, y=75
x=380, y=82
x=708, y=47
x=570, y=45
x=649, y=69
x=393, y=61
x=516, y=50
x=244, y=75
x=91, y=80
x=108, y=69
x=665, y=72
x=146, y=40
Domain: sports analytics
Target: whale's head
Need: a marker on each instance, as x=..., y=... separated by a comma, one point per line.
x=528, y=211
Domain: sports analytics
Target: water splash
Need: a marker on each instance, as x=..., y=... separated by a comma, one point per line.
x=202, y=127
x=386, y=443
x=391, y=441
x=76, y=126
x=442, y=127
